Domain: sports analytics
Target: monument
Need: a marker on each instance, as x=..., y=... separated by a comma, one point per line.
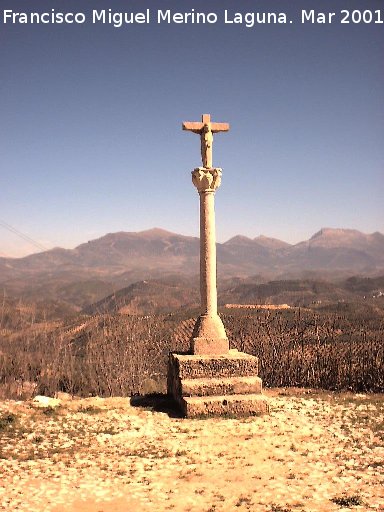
x=209, y=335
x=211, y=379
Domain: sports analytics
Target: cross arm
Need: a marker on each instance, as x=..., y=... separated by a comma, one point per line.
x=193, y=127
x=219, y=127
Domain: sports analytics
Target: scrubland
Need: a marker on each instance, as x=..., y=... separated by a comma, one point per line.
x=101, y=447
x=123, y=355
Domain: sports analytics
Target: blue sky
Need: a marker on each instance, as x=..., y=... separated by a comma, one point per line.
x=90, y=126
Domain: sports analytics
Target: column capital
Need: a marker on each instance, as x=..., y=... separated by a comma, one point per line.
x=206, y=180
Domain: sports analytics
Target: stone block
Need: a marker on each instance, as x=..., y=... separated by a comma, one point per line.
x=223, y=386
x=209, y=346
x=228, y=405
x=231, y=364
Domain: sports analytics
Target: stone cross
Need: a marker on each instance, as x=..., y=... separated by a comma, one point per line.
x=209, y=336
x=206, y=129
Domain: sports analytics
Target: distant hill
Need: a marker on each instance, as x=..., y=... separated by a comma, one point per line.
x=341, y=249
x=170, y=295
x=110, y=254
x=295, y=292
x=329, y=251
x=148, y=297
x=270, y=243
x=366, y=285
x=118, y=260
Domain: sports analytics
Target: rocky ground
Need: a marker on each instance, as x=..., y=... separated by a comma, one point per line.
x=315, y=452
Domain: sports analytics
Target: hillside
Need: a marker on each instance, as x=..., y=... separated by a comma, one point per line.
x=174, y=293
x=296, y=292
x=148, y=297
x=167, y=296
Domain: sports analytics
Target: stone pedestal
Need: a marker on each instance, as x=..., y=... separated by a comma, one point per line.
x=216, y=385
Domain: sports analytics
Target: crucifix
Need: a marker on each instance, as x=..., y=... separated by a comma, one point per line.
x=209, y=336
x=206, y=129
x=211, y=379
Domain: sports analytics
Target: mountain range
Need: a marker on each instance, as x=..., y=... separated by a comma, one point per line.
x=99, y=267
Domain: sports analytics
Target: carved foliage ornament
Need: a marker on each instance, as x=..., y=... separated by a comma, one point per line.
x=206, y=180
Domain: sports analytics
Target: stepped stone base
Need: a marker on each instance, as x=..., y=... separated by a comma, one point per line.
x=216, y=385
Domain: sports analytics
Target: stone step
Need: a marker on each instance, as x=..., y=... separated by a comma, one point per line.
x=236, y=405
x=230, y=364
x=221, y=386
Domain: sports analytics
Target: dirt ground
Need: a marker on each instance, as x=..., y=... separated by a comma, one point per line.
x=315, y=452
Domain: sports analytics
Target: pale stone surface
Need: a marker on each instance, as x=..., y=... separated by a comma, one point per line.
x=207, y=179
x=209, y=326
x=232, y=364
x=213, y=380
x=206, y=129
x=207, y=345
x=221, y=386
x=225, y=383
x=45, y=401
x=206, y=145
x=238, y=405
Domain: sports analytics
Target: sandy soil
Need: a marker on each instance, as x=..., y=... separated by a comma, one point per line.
x=315, y=452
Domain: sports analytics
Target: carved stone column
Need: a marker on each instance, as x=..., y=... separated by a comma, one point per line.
x=212, y=380
x=209, y=336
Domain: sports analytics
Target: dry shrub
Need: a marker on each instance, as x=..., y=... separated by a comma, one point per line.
x=123, y=356
x=114, y=357
x=305, y=349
